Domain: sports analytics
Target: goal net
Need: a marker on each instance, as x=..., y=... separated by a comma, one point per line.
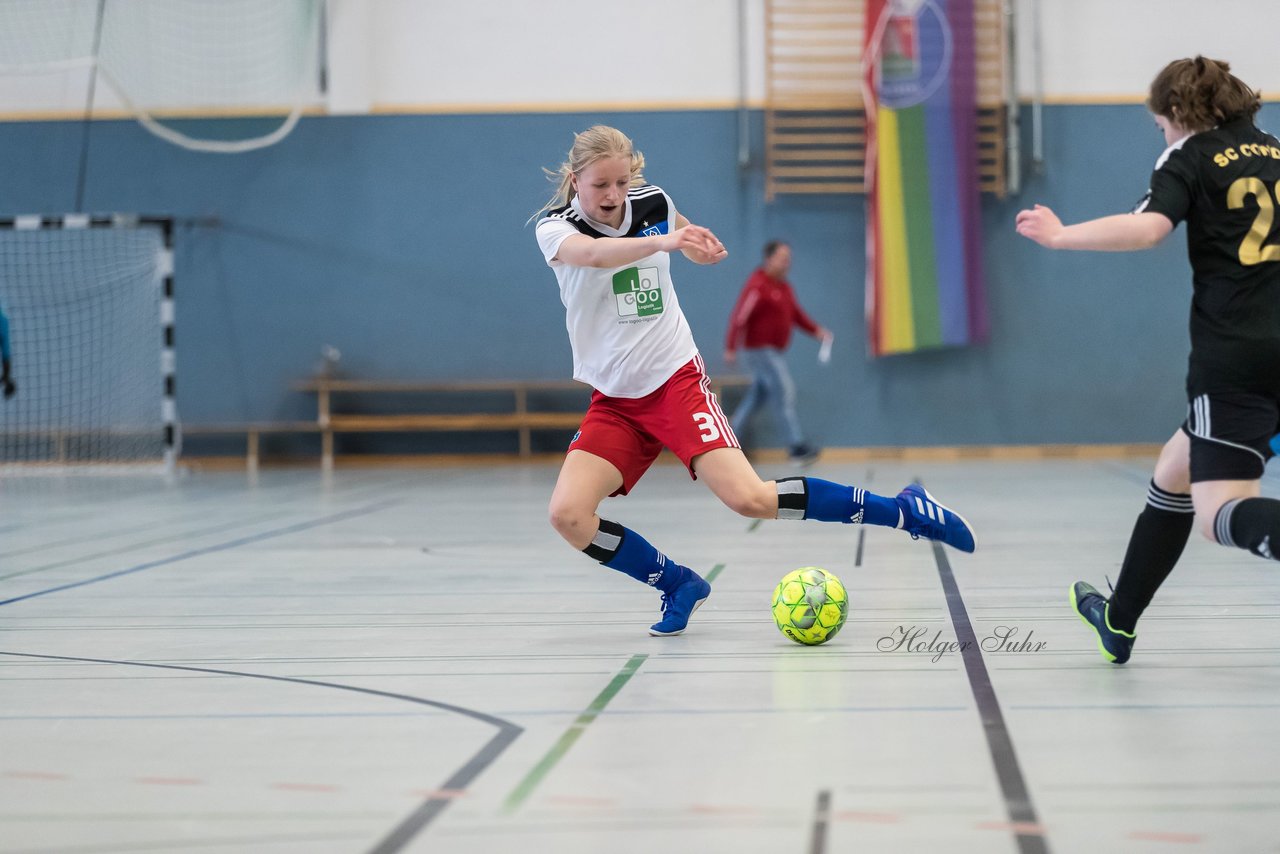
x=90, y=307
x=168, y=60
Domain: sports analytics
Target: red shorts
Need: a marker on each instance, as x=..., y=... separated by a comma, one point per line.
x=682, y=415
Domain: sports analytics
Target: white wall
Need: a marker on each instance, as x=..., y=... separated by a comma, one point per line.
x=1108, y=49
x=500, y=55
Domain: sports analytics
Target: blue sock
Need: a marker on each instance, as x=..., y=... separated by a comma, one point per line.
x=626, y=551
x=824, y=501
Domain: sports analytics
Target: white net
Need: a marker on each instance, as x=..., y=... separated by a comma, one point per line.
x=38, y=36
x=172, y=59
x=86, y=316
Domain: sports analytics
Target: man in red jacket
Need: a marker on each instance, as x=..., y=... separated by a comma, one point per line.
x=760, y=327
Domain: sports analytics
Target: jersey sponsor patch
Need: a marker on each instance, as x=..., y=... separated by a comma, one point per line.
x=638, y=291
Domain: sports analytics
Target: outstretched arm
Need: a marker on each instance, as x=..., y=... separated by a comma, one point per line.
x=1117, y=233
x=694, y=240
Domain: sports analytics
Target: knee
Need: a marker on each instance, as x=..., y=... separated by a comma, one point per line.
x=572, y=522
x=1172, y=477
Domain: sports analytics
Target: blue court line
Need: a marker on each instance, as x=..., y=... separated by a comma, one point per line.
x=231, y=544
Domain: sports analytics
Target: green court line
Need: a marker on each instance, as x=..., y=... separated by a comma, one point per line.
x=755, y=523
x=561, y=747
x=715, y=570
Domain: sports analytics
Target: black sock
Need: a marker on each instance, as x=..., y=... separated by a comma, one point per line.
x=1157, y=541
x=1250, y=523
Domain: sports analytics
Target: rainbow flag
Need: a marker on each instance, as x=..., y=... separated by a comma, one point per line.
x=924, y=261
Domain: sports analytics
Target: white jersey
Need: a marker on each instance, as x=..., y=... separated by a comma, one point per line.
x=625, y=324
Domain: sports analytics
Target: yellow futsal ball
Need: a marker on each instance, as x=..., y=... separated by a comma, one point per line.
x=810, y=605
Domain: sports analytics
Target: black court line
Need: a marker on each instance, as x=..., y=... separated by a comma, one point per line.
x=821, y=821
x=231, y=544
x=1017, y=799
x=412, y=824
x=135, y=546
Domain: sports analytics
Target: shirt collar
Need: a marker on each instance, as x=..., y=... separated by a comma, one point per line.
x=607, y=230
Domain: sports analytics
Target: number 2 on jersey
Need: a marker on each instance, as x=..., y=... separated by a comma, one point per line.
x=1252, y=249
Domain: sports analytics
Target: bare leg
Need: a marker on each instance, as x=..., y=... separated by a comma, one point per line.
x=585, y=480
x=729, y=475
x=1210, y=495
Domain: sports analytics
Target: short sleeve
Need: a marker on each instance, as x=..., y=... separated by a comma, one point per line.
x=551, y=233
x=1171, y=190
x=673, y=216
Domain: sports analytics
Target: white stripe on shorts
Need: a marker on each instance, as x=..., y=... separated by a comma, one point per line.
x=713, y=404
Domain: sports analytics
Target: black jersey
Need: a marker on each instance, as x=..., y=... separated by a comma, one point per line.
x=1225, y=183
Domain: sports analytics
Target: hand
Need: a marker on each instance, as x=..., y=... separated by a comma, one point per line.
x=698, y=244
x=10, y=388
x=730, y=357
x=1041, y=225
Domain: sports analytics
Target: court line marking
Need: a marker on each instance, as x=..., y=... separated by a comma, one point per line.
x=412, y=824
x=219, y=547
x=1027, y=831
x=715, y=570
x=571, y=735
x=821, y=821
x=166, y=846
x=129, y=547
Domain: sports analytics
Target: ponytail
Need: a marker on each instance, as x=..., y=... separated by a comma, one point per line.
x=1200, y=94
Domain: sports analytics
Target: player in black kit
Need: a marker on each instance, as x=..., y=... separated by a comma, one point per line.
x=1220, y=174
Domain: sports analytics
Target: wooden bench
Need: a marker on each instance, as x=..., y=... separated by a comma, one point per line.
x=519, y=418
x=520, y=415
x=252, y=431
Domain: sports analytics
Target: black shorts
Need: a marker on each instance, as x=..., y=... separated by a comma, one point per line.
x=1231, y=434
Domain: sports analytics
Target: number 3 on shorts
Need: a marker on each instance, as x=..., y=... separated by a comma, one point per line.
x=706, y=424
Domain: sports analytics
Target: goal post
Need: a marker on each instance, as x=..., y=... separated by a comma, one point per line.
x=90, y=304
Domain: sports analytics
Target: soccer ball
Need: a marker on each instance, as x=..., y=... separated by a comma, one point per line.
x=810, y=605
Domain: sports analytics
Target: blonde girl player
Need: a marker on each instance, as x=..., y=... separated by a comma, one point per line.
x=1220, y=174
x=608, y=236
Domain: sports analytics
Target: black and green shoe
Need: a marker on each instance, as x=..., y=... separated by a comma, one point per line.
x=1092, y=607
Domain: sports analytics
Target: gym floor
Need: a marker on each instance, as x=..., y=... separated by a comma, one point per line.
x=411, y=660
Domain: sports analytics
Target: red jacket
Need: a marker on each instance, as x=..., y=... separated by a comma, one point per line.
x=764, y=314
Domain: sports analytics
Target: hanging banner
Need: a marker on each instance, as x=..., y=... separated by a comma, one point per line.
x=924, y=241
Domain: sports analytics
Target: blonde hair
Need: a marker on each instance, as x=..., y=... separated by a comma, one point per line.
x=1201, y=93
x=594, y=143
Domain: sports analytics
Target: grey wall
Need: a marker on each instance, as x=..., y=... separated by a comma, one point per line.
x=402, y=241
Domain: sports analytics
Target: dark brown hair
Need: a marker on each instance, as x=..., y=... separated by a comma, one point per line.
x=773, y=246
x=1200, y=94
